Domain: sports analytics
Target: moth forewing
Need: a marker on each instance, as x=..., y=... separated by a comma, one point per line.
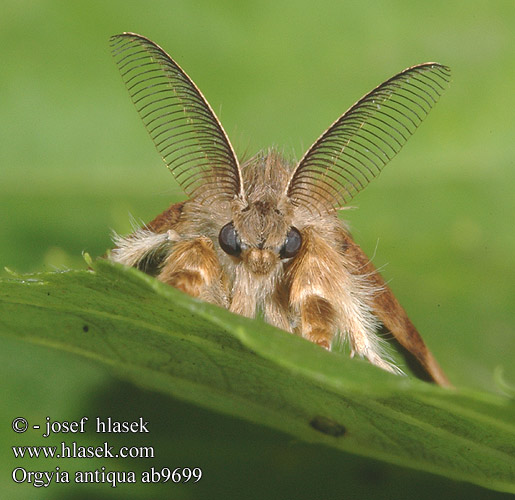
x=265, y=236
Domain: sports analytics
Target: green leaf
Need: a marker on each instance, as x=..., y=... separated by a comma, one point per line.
x=166, y=341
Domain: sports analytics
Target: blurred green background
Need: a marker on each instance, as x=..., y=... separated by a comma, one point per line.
x=75, y=163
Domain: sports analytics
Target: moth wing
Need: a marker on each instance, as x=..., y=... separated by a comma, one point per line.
x=355, y=148
x=180, y=121
x=392, y=315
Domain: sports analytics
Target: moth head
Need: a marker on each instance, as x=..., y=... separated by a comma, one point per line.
x=261, y=237
x=264, y=205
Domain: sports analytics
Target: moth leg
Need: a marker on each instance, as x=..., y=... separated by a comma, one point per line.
x=318, y=320
x=311, y=297
x=146, y=247
x=193, y=267
x=331, y=301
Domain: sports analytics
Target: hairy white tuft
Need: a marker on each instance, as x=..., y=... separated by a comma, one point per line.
x=132, y=249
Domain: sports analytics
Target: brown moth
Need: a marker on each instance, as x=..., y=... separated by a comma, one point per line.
x=265, y=236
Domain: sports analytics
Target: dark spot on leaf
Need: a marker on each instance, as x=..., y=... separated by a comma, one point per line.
x=327, y=426
x=85, y=328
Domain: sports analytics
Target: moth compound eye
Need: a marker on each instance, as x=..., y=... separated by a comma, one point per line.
x=229, y=240
x=292, y=244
